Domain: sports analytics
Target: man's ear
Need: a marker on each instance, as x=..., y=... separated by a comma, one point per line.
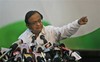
x=27, y=25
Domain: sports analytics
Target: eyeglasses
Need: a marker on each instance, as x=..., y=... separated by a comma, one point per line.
x=34, y=23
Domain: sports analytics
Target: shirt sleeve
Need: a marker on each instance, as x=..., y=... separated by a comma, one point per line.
x=66, y=30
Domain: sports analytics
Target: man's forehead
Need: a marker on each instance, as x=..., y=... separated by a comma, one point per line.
x=35, y=17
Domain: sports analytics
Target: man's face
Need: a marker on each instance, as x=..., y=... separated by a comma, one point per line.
x=35, y=23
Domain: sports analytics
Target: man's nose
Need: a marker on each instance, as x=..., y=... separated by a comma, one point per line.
x=38, y=23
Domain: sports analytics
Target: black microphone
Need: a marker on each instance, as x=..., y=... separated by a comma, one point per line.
x=48, y=51
x=12, y=48
x=48, y=57
x=15, y=54
x=65, y=53
x=19, y=59
x=57, y=53
x=64, y=49
x=33, y=46
x=24, y=51
x=33, y=39
x=57, y=57
x=40, y=59
x=43, y=38
x=26, y=56
x=40, y=50
x=29, y=59
x=62, y=45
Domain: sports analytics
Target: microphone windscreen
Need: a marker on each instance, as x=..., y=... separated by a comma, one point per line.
x=33, y=39
x=19, y=59
x=48, y=56
x=24, y=46
x=29, y=59
x=55, y=45
x=14, y=46
x=40, y=59
x=62, y=45
x=42, y=37
x=40, y=49
x=57, y=59
x=24, y=51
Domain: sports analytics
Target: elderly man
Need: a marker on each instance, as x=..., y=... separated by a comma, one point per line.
x=38, y=35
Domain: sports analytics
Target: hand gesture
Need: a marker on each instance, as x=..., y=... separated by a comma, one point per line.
x=83, y=20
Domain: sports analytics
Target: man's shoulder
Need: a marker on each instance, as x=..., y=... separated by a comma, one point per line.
x=24, y=34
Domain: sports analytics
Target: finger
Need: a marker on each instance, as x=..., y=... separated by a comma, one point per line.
x=86, y=19
x=83, y=18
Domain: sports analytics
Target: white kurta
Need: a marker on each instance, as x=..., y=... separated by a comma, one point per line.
x=51, y=33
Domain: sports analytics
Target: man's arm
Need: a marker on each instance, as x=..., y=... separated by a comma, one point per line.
x=70, y=29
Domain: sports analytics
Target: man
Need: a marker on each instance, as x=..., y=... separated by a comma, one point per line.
x=38, y=35
x=52, y=34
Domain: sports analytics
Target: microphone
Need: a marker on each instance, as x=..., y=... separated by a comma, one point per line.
x=24, y=46
x=40, y=50
x=40, y=59
x=48, y=51
x=57, y=53
x=64, y=49
x=33, y=44
x=57, y=57
x=33, y=39
x=43, y=38
x=76, y=56
x=69, y=54
x=12, y=48
x=29, y=59
x=27, y=56
x=15, y=55
x=24, y=51
x=19, y=59
x=48, y=57
x=65, y=53
x=47, y=47
x=62, y=45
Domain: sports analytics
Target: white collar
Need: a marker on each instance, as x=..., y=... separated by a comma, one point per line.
x=30, y=34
